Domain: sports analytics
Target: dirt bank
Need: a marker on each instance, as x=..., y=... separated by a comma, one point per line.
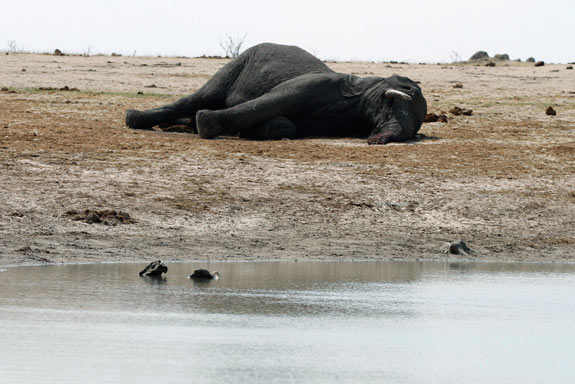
x=503, y=178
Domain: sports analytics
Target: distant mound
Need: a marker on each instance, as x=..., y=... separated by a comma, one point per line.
x=501, y=57
x=484, y=56
x=479, y=55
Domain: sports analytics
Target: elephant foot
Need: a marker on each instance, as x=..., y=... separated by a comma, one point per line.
x=207, y=124
x=136, y=120
x=381, y=138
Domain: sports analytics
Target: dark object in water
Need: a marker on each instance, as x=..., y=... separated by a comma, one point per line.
x=460, y=248
x=204, y=274
x=154, y=269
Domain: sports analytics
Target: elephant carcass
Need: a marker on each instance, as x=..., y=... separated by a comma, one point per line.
x=275, y=91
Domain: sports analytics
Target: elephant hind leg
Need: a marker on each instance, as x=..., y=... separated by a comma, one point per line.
x=138, y=120
x=276, y=128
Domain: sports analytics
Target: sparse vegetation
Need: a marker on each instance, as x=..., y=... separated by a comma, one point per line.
x=232, y=45
x=12, y=46
x=455, y=57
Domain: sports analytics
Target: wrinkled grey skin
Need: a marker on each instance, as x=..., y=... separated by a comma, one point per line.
x=275, y=91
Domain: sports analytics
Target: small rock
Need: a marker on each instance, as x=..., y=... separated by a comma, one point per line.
x=569, y=67
x=116, y=54
x=458, y=85
x=490, y=64
x=433, y=117
x=457, y=111
x=550, y=111
x=530, y=60
x=23, y=69
x=460, y=248
x=539, y=63
x=57, y=52
x=93, y=218
x=140, y=93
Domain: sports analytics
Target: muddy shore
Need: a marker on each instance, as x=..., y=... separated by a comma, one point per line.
x=78, y=186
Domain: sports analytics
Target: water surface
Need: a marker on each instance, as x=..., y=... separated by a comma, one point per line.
x=394, y=322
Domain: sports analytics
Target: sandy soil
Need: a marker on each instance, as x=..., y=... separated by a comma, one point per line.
x=503, y=179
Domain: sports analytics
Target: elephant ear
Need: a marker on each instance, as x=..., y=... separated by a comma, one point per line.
x=353, y=86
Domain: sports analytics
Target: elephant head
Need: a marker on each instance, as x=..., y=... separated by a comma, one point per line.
x=395, y=109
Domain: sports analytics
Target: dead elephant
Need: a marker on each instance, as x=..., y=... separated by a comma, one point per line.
x=273, y=92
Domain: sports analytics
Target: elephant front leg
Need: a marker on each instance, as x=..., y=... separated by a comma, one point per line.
x=250, y=117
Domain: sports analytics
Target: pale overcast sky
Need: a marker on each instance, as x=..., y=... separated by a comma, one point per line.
x=414, y=31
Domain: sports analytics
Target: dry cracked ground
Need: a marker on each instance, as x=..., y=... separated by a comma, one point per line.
x=78, y=186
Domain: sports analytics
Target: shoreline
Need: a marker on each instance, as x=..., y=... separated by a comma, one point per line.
x=144, y=262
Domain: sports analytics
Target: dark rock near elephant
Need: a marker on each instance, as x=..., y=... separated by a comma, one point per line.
x=460, y=248
x=539, y=63
x=154, y=269
x=569, y=67
x=433, y=117
x=479, y=55
x=273, y=92
x=550, y=111
x=204, y=274
x=458, y=111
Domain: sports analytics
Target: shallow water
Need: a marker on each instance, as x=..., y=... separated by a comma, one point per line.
x=393, y=322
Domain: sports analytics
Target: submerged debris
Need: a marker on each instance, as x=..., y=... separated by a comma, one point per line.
x=204, y=274
x=154, y=269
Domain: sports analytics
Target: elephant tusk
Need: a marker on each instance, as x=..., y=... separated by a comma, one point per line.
x=393, y=93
